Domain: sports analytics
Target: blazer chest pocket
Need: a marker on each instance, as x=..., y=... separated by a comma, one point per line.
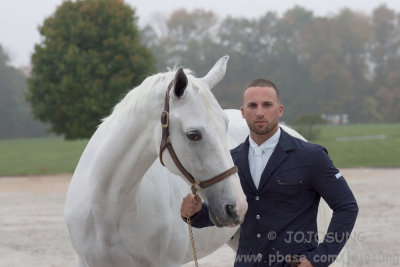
x=287, y=191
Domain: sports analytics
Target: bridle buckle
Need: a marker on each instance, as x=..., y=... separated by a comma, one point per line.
x=164, y=119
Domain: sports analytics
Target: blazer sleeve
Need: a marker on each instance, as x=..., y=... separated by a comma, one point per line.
x=201, y=219
x=333, y=188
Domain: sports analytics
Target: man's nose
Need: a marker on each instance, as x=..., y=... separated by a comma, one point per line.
x=259, y=112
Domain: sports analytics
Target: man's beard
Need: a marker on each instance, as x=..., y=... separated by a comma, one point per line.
x=264, y=131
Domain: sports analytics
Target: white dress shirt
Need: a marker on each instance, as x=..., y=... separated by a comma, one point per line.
x=259, y=156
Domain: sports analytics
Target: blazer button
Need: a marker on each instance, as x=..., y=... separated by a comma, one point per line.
x=257, y=198
x=258, y=235
x=257, y=217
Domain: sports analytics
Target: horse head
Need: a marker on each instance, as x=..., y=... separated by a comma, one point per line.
x=197, y=131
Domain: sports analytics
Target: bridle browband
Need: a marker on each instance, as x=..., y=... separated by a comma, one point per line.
x=166, y=143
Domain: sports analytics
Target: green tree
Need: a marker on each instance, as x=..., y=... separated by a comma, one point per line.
x=307, y=125
x=385, y=42
x=289, y=70
x=89, y=56
x=343, y=63
x=187, y=39
x=15, y=118
x=249, y=43
x=385, y=58
x=334, y=50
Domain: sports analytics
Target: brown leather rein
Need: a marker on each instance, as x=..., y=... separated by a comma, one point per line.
x=166, y=143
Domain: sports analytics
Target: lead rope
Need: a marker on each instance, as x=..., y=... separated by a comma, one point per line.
x=189, y=223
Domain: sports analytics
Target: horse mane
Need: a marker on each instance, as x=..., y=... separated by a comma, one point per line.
x=137, y=98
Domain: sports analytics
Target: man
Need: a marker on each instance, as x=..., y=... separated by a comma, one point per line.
x=283, y=179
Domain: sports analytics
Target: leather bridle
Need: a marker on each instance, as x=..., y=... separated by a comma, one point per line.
x=166, y=143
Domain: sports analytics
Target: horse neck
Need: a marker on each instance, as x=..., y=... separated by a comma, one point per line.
x=125, y=154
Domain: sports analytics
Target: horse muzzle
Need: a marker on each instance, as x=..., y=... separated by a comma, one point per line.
x=228, y=216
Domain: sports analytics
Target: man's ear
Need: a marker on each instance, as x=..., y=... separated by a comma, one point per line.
x=242, y=110
x=280, y=110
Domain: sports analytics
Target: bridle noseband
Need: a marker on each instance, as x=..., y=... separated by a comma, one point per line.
x=166, y=143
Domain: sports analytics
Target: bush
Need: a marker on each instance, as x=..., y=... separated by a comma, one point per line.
x=307, y=126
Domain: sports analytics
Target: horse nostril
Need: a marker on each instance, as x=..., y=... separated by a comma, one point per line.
x=231, y=211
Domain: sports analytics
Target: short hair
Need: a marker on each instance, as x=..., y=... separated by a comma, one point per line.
x=263, y=83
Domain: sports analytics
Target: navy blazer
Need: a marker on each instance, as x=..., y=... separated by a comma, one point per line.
x=281, y=220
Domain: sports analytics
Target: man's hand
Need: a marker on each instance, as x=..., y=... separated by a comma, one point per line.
x=191, y=205
x=304, y=263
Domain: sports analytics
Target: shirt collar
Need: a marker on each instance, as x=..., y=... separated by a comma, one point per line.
x=269, y=144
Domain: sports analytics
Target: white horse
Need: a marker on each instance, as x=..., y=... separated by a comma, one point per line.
x=110, y=218
x=122, y=206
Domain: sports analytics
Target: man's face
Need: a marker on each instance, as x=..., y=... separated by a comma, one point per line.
x=262, y=110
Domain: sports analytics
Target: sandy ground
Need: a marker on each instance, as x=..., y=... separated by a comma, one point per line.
x=33, y=233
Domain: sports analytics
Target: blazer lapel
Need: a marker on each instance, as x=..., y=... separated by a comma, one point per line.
x=243, y=164
x=279, y=155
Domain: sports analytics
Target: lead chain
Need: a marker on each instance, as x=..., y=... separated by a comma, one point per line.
x=189, y=222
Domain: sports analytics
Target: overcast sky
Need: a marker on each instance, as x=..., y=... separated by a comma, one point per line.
x=19, y=19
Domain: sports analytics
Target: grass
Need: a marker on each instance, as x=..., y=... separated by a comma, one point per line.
x=364, y=145
x=39, y=156
x=346, y=145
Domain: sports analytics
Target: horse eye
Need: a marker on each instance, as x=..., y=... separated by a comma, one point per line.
x=194, y=135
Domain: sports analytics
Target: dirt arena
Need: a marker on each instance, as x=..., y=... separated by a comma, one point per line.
x=33, y=233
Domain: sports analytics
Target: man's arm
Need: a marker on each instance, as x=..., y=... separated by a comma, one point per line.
x=197, y=211
x=333, y=188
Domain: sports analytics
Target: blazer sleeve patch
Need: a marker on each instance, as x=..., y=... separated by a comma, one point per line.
x=338, y=175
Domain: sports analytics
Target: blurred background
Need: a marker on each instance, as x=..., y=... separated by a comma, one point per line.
x=65, y=64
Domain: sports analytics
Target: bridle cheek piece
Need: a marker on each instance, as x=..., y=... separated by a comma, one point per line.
x=166, y=144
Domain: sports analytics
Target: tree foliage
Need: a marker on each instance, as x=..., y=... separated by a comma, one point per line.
x=308, y=125
x=348, y=62
x=15, y=118
x=89, y=56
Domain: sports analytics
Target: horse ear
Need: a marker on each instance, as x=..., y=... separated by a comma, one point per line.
x=216, y=73
x=180, y=83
